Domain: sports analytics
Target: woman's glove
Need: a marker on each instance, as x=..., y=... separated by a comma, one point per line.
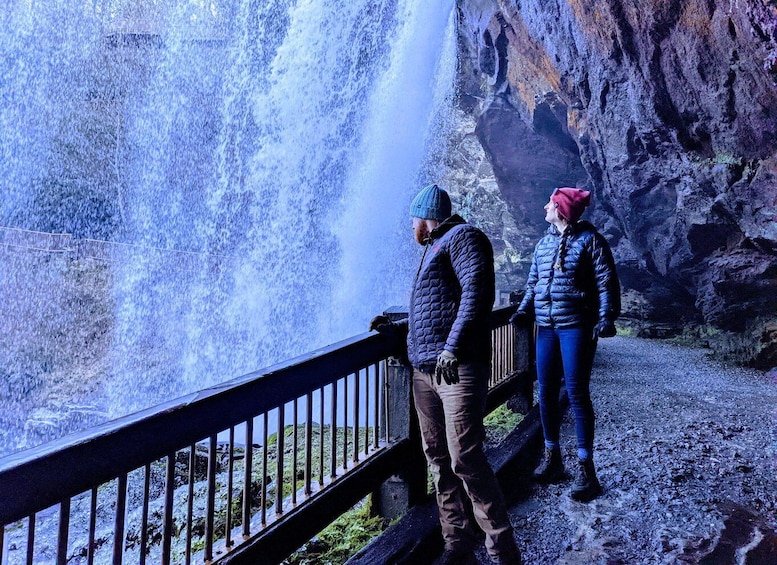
x=447, y=368
x=521, y=319
x=605, y=328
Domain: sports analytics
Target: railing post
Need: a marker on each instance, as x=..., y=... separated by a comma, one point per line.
x=523, y=355
x=401, y=491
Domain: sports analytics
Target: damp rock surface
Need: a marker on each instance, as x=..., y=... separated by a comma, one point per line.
x=665, y=111
x=685, y=452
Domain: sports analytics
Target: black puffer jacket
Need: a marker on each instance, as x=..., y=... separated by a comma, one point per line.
x=452, y=297
x=572, y=281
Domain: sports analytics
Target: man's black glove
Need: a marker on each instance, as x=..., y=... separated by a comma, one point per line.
x=383, y=325
x=447, y=368
x=521, y=319
x=378, y=321
x=605, y=328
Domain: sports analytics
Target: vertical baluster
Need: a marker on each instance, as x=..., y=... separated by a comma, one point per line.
x=64, y=528
x=309, y=444
x=501, y=368
x=190, y=501
x=247, y=468
x=167, y=529
x=294, y=454
x=498, y=355
x=366, y=410
x=144, y=514
x=356, y=401
x=386, y=392
x=511, y=350
x=345, y=422
x=333, y=450
x=210, y=503
x=510, y=345
x=503, y=353
x=500, y=352
x=502, y=360
x=321, y=441
x=495, y=358
x=376, y=411
x=230, y=470
x=279, y=461
x=508, y=353
x=91, y=546
x=31, y=539
x=506, y=349
x=264, y=469
x=118, y=529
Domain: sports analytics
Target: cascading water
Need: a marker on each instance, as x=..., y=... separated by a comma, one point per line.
x=236, y=176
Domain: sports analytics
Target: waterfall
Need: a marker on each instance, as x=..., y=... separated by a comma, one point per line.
x=243, y=168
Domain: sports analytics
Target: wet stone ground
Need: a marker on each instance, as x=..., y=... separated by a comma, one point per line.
x=686, y=451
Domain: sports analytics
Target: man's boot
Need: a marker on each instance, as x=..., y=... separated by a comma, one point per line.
x=586, y=486
x=551, y=468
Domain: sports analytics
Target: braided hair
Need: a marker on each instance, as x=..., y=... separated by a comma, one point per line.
x=562, y=249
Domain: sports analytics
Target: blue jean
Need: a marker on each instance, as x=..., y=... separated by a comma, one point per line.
x=452, y=432
x=567, y=353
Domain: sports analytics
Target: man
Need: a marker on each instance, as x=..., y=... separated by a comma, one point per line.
x=449, y=347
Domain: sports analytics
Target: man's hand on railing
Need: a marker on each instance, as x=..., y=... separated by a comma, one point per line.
x=521, y=319
x=383, y=325
x=447, y=368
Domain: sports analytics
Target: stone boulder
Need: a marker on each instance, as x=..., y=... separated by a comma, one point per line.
x=667, y=112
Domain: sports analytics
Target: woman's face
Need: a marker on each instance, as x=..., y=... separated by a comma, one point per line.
x=551, y=213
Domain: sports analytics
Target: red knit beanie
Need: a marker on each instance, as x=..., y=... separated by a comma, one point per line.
x=571, y=202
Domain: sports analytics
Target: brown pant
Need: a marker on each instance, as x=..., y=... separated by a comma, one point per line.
x=451, y=421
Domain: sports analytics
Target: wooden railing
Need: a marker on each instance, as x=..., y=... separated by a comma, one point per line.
x=244, y=472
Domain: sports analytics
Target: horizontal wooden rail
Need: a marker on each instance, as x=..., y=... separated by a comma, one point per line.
x=74, y=464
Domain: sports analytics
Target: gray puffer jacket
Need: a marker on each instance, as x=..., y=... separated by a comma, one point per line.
x=572, y=281
x=452, y=297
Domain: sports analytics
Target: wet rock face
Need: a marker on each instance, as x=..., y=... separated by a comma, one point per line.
x=667, y=111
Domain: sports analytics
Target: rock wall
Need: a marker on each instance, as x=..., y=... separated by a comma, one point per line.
x=667, y=111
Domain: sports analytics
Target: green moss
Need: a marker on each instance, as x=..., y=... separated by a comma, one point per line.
x=341, y=539
x=626, y=331
x=695, y=336
x=501, y=422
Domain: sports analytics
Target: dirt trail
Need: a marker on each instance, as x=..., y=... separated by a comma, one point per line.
x=686, y=452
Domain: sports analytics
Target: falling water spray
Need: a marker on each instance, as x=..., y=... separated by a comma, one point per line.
x=240, y=172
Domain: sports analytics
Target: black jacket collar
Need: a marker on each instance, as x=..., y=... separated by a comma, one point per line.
x=578, y=227
x=445, y=226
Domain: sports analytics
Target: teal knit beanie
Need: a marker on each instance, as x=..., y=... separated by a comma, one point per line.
x=432, y=203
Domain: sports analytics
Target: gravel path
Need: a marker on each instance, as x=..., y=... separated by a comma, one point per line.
x=686, y=454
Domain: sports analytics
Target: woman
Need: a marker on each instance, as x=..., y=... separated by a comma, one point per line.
x=573, y=296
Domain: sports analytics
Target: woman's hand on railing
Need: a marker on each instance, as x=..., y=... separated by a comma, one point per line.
x=521, y=319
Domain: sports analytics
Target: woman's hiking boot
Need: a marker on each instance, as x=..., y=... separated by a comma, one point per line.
x=551, y=468
x=586, y=486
